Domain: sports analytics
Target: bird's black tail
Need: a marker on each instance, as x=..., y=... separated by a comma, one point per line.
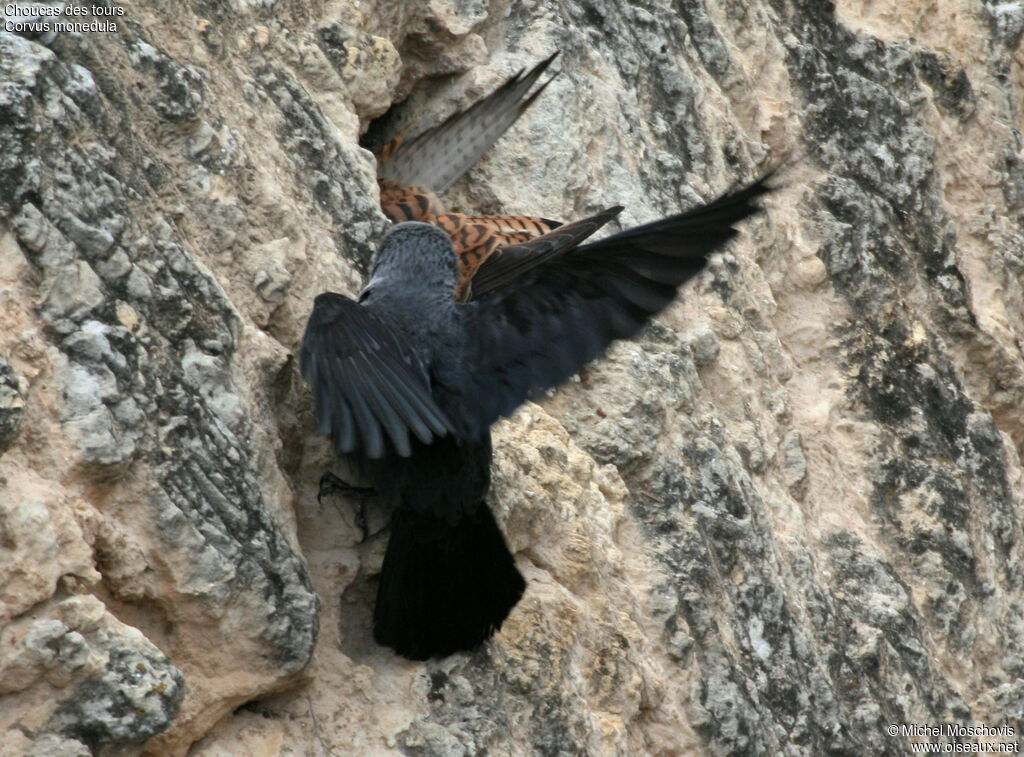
x=444, y=587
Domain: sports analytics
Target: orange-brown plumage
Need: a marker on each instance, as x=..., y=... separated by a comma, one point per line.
x=408, y=203
x=475, y=238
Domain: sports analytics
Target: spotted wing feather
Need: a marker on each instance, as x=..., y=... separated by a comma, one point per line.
x=440, y=155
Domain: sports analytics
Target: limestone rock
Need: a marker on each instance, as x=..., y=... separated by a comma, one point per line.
x=784, y=518
x=12, y=406
x=94, y=682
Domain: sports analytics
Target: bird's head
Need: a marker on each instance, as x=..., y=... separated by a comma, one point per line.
x=416, y=254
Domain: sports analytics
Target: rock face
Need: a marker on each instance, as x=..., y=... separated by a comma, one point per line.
x=787, y=517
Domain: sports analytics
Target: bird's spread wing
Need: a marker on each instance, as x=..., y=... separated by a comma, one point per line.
x=513, y=261
x=439, y=156
x=368, y=385
x=530, y=332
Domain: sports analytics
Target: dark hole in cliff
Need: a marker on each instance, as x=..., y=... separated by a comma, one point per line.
x=406, y=116
x=438, y=681
x=384, y=127
x=255, y=706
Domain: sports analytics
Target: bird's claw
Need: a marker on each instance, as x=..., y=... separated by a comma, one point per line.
x=331, y=484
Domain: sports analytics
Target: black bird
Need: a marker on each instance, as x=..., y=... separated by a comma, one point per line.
x=407, y=382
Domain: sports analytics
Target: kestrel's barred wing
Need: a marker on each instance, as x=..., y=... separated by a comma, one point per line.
x=402, y=203
x=476, y=238
x=511, y=228
x=368, y=384
x=514, y=260
x=533, y=330
x=437, y=157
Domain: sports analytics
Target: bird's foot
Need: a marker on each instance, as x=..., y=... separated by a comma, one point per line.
x=331, y=484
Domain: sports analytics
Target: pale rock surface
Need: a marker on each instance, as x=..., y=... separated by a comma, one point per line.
x=786, y=517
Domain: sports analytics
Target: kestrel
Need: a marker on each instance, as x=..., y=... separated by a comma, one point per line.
x=412, y=173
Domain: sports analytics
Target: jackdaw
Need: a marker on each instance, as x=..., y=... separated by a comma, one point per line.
x=407, y=382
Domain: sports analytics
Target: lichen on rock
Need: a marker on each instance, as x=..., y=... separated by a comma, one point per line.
x=782, y=519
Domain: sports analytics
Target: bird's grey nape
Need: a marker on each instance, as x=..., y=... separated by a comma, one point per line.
x=416, y=252
x=413, y=232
